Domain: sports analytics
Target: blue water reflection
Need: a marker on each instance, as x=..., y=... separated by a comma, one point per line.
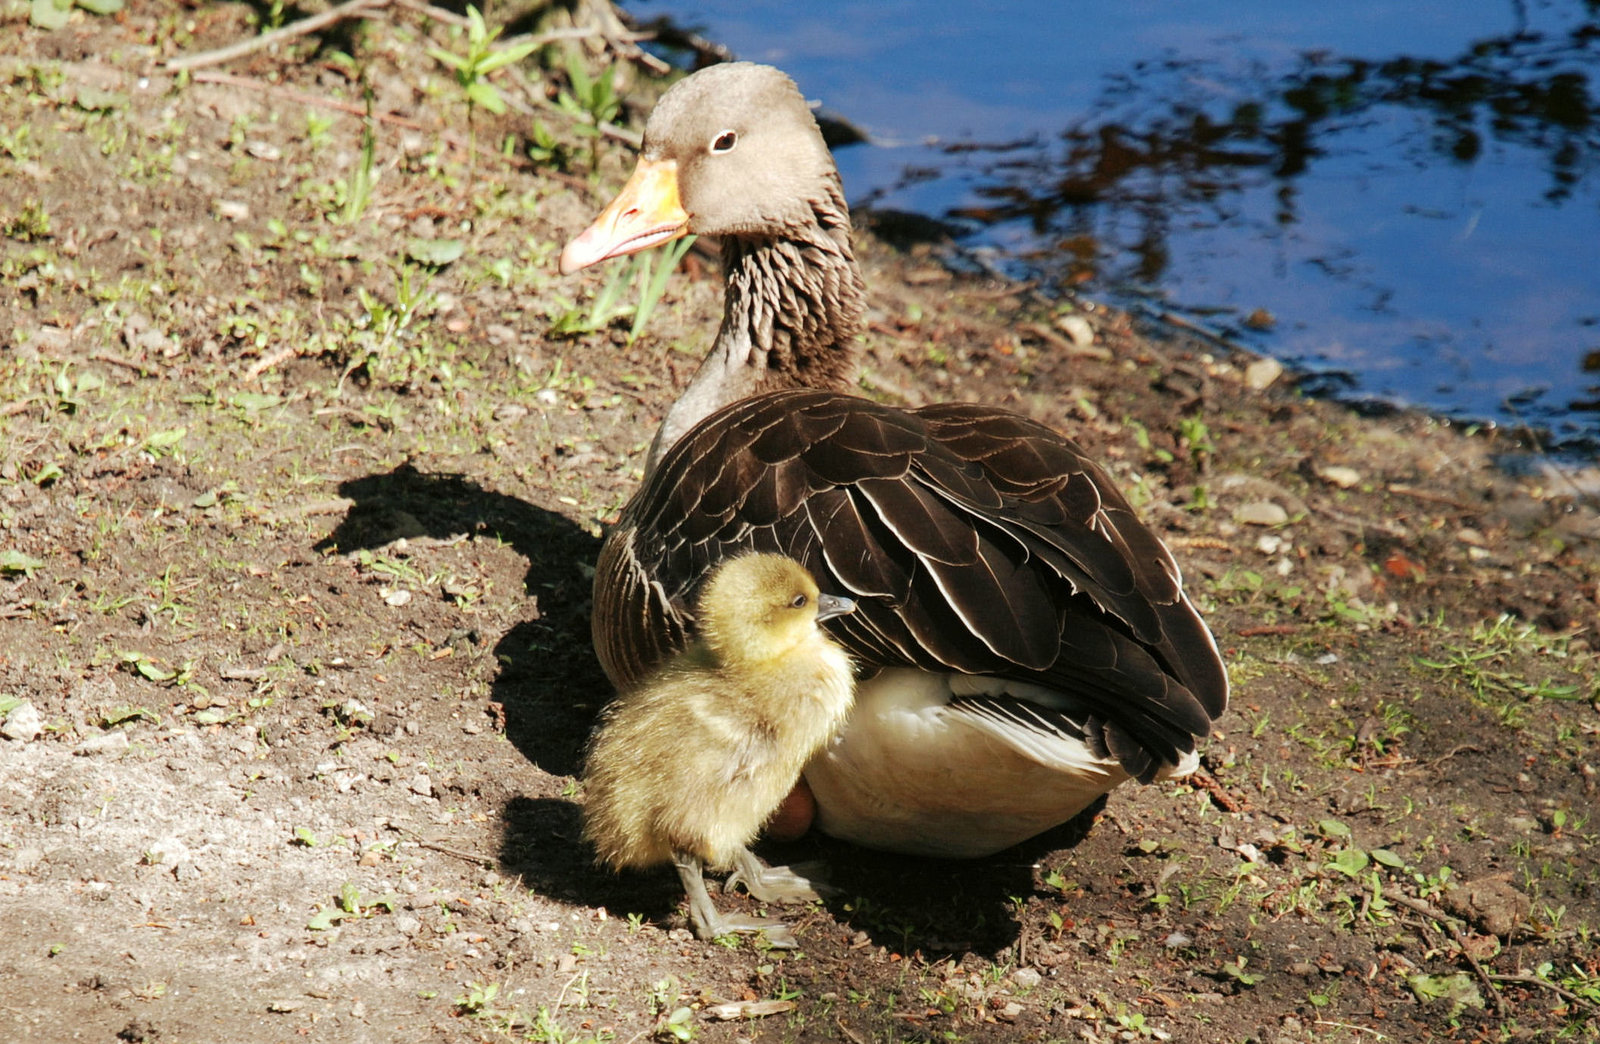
x=1408, y=189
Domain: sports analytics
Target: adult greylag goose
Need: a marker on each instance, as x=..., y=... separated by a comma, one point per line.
x=688, y=766
x=1024, y=643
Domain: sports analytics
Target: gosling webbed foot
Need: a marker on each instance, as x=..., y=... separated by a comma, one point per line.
x=709, y=923
x=777, y=933
x=800, y=883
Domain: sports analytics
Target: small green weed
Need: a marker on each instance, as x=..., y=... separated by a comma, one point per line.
x=13, y=561
x=358, y=189
x=649, y=270
x=14, y=143
x=53, y=14
x=1194, y=436
x=679, y=1025
x=478, y=1001
x=349, y=905
x=30, y=224
x=473, y=66
x=592, y=101
x=1485, y=665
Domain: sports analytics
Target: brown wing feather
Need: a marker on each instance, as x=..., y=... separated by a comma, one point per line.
x=973, y=539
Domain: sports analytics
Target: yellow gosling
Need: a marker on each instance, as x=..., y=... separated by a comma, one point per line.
x=688, y=766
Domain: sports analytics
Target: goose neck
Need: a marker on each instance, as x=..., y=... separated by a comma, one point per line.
x=792, y=309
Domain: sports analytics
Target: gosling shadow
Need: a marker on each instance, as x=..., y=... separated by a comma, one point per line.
x=543, y=845
x=904, y=903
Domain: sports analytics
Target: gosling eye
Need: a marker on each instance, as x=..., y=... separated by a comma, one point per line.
x=724, y=142
x=799, y=602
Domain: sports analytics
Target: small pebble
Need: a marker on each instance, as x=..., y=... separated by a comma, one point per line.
x=232, y=210
x=1339, y=475
x=103, y=743
x=168, y=851
x=1027, y=978
x=1261, y=513
x=355, y=710
x=1077, y=328
x=1176, y=940
x=23, y=723
x=1260, y=375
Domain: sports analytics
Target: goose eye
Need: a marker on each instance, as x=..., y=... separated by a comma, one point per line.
x=724, y=142
x=799, y=602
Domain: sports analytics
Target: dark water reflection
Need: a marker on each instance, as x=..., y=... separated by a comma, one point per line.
x=1403, y=198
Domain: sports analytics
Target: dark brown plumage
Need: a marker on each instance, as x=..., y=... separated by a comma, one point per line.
x=1033, y=644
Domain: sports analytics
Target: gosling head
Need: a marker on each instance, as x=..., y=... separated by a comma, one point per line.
x=759, y=607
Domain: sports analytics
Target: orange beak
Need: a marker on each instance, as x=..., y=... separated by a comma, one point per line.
x=646, y=213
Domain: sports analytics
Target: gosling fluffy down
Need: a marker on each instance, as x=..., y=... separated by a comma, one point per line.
x=696, y=759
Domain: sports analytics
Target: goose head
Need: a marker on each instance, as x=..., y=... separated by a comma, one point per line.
x=732, y=150
x=758, y=608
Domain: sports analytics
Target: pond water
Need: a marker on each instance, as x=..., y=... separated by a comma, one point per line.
x=1402, y=198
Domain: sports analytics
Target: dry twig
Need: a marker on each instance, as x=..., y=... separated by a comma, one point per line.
x=360, y=9
x=433, y=846
x=267, y=362
x=349, y=9
x=1561, y=991
x=289, y=94
x=1202, y=780
x=1426, y=909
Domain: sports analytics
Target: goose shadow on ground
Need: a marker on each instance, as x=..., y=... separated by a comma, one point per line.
x=549, y=683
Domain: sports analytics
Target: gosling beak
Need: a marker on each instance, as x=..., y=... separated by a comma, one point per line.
x=646, y=213
x=829, y=606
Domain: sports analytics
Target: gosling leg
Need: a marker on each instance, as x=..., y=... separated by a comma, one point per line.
x=708, y=922
x=775, y=884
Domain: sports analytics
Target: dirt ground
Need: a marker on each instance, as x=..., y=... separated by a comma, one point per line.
x=304, y=460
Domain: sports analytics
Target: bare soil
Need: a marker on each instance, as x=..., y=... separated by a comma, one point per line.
x=297, y=518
